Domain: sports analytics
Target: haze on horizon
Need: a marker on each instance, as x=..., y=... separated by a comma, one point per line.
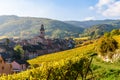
x=62, y=9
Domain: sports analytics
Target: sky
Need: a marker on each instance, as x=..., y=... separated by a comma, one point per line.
x=79, y=10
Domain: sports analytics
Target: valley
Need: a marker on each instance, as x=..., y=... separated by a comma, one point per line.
x=59, y=39
x=89, y=54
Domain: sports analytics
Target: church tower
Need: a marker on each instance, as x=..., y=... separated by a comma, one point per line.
x=42, y=31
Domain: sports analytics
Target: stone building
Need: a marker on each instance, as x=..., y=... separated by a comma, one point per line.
x=5, y=67
x=40, y=38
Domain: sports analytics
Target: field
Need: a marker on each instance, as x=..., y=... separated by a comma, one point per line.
x=82, y=38
x=4, y=37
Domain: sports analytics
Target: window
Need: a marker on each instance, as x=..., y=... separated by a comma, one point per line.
x=10, y=66
x=2, y=67
x=0, y=61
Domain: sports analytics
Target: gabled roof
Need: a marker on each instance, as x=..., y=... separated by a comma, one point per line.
x=32, y=48
x=7, y=48
x=12, y=43
x=36, y=47
x=21, y=62
x=4, y=56
x=28, y=48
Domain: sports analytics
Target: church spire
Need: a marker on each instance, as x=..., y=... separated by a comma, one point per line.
x=42, y=28
x=42, y=31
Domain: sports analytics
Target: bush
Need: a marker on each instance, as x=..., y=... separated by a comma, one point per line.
x=115, y=32
x=106, y=45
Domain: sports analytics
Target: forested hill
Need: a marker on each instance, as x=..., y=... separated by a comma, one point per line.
x=90, y=23
x=96, y=28
x=27, y=27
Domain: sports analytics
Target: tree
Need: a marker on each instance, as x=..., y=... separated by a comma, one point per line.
x=7, y=41
x=18, y=51
x=107, y=34
x=106, y=45
x=115, y=32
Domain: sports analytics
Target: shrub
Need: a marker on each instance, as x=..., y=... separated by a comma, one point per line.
x=106, y=45
x=115, y=32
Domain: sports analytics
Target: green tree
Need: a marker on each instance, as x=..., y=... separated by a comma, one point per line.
x=107, y=34
x=7, y=41
x=18, y=51
x=106, y=45
x=115, y=32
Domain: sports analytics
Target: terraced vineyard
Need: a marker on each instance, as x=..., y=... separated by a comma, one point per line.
x=63, y=55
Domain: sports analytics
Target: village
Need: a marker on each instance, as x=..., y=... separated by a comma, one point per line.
x=13, y=62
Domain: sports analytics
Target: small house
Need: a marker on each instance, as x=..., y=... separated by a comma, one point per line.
x=19, y=65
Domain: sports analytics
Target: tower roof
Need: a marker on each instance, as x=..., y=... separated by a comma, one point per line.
x=42, y=28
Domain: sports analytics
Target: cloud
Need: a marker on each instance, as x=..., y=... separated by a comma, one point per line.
x=101, y=3
x=89, y=18
x=113, y=10
x=107, y=8
x=25, y=8
x=91, y=8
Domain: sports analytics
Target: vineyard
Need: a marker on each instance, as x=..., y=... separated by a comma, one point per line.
x=75, y=64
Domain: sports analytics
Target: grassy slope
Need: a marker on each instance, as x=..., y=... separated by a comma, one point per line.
x=104, y=70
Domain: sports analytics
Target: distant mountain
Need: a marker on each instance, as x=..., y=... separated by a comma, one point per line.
x=90, y=23
x=98, y=30
x=27, y=27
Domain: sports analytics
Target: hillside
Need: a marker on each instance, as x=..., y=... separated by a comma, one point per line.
x=90, y=23
x=57, y=65
x=98, y=30
x=29, y=26
x=64, y=65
